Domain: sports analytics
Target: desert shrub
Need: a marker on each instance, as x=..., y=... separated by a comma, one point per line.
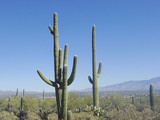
x=52, y=116
x=7, y=116
x=30, y=104
x=15, y=103
x=111, y=102
x=3, y=104
x=48, y=104
x=33, y=116
x=76, y=102
x=141, y=107
x=127, y=113
x=46, y=108
x=84, y=116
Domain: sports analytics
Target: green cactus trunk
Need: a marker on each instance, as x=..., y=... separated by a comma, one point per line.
x=65, y=94
x=95, y=82
x=9, y=104
x=95, y=74
x=132, y=100
x=21, y=104
x=61, y=81
x=16, y=94
x=152, y=97
x=23, y=92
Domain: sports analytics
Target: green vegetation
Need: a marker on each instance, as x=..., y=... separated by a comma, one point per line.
x=113, y=107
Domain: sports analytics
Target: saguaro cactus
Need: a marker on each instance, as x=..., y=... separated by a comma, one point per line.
x=16, y=94
x=96, y=74
x=23, y=92
x=132, y=100
x=9, y=104
x=152, y=97
x=21, y=108
x=61, y=82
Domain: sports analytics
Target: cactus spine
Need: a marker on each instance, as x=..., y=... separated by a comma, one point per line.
x=94, y=68
x=61, y=81
x=152, y=97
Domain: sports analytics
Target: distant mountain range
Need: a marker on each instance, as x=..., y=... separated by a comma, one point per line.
x=132, y=85
x=141, y=85
x=7, y=94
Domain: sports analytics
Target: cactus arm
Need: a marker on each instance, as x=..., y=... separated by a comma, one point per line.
x=73, y=74
x=51, y=29
x=99, y=69
x=64, y=95
x=47, y=80
x=90, y=79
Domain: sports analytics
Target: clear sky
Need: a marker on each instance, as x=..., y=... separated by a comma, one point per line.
x=127, y=41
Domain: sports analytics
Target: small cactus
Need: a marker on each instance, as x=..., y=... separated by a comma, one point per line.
x=9, y=104
x=17, y=94
x=152, y=97
x=23, y=92
x=21, y=104
x=69, y=115
x=21, y=114
x=132, y=100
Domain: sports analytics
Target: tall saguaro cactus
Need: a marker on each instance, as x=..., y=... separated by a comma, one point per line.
x=152, y=97
x=61, y=81
x=96, y=74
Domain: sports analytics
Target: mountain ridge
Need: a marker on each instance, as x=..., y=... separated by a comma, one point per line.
x=132, y=85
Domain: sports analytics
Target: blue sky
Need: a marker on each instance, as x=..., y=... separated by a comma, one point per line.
x=127, y=40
